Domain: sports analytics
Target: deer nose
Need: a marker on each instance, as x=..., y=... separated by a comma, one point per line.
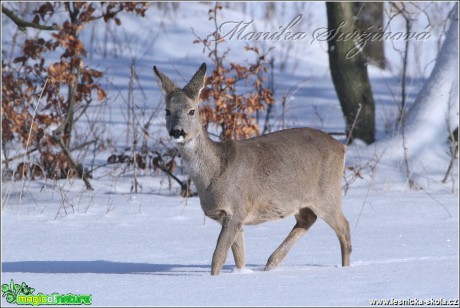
x=176, y=133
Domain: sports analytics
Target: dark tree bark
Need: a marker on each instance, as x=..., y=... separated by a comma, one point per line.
x=349, y=73
x=370, y=20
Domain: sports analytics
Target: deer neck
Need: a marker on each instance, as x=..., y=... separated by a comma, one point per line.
x=201, y=159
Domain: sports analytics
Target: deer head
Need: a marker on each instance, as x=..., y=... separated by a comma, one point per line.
x=182, y=117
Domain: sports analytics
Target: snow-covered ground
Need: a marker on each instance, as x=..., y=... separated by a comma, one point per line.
x=155, y=248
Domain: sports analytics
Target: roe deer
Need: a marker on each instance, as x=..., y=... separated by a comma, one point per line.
x=289, y=172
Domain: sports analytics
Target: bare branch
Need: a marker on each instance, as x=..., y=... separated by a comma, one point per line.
x=5, y=161
x=22, y=24
x=81, y=173
x=185, y=186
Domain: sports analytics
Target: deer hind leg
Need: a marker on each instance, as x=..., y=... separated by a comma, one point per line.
x=305, y=219
x=339, y=223
x=238, y=250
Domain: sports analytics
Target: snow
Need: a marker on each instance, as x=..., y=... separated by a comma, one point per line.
x=404, y=246
x=433, y=114
x=154, y=248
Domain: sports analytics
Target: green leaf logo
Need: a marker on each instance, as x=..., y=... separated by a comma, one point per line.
x=12, y=291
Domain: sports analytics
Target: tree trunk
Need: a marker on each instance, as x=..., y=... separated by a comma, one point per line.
x=72, y=88
x=370, y=20
x=349, y=73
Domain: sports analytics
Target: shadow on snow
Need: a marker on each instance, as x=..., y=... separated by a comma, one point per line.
x=110, y=267
x=107, y=267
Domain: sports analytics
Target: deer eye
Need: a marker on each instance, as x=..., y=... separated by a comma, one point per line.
x=168, y=113
x=191, y=112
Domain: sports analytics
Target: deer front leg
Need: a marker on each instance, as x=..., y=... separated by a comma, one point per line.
x=238, y=250
x=230, y=229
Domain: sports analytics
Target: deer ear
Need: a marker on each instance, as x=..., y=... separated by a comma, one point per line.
x=196, y=84
x=165, y=84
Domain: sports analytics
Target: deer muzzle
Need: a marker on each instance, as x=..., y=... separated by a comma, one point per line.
x=177, y=133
